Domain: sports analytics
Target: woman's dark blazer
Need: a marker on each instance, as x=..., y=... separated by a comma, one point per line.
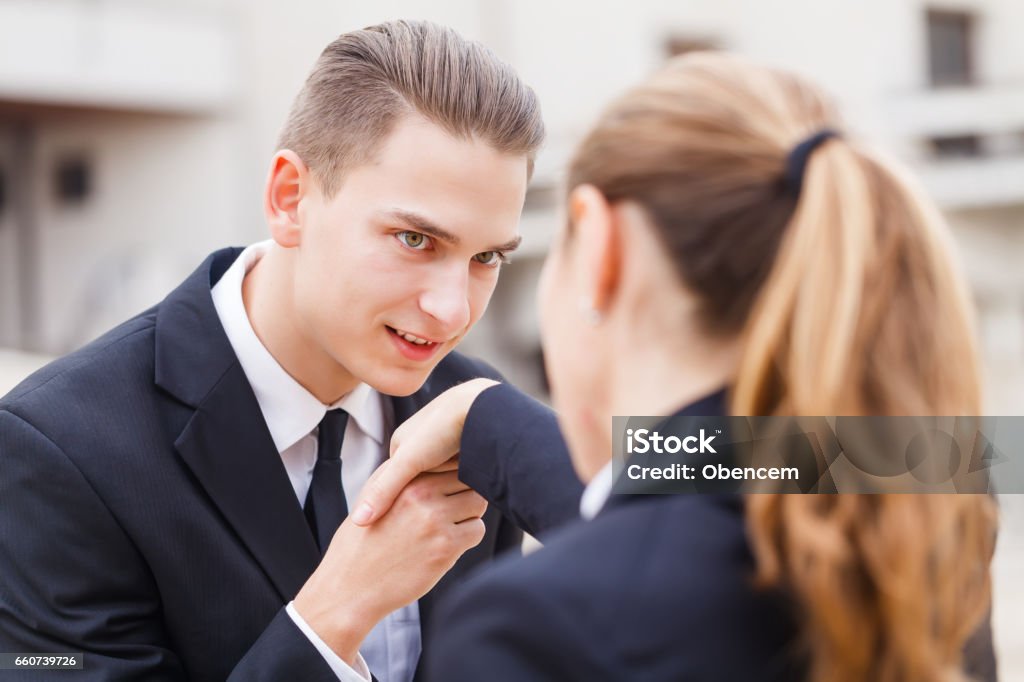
x=656, y=587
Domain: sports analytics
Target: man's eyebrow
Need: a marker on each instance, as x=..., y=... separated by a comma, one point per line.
x=508, y=246
x=425, y=225
x=429, y=227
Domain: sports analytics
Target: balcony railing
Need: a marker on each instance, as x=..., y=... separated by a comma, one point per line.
x=114, y=55
x=949, y=112
x=974, y=183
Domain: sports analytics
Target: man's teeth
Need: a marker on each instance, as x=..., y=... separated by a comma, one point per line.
x=411, y=338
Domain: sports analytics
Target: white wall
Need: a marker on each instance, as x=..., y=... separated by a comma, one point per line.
x=164, y=192
x=174, y=181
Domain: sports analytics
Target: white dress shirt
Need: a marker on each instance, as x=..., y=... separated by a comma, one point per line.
x=392, y=649
x=597, y=492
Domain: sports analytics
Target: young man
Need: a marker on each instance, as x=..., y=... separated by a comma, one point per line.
x=170, y=494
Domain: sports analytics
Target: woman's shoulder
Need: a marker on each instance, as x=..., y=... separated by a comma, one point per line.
x=668, y=539
x=662, y=583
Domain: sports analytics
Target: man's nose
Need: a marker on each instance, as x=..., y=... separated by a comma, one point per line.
x=446, y=299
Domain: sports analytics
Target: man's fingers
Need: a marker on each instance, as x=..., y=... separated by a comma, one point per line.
x=454, y=486
x=469, y=533
x=466, y=505
x=388, y=481
x=394, y=474
x=443, y=483
x=425, y=442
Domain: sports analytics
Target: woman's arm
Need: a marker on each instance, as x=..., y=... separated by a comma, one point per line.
x=513, y=454
x=509, y=450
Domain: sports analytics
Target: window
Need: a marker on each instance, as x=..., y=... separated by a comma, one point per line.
x=957, y=147
x=72, y=180
x=677, y=45
x=950, y=48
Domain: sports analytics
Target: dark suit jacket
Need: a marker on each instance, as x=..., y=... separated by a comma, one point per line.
x=146, y=518
x=656, y=587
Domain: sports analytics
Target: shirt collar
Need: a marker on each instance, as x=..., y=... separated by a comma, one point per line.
x=597, y=492
x=291, y=411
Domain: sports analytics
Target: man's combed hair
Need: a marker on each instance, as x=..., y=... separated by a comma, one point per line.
x=365, y=81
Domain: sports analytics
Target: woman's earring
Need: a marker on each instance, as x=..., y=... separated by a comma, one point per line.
x=590, y=312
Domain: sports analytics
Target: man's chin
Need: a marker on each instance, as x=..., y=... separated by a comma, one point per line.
x=400, y=379
x=399, y=383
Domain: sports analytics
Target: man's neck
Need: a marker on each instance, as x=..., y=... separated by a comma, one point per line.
x=271, y=312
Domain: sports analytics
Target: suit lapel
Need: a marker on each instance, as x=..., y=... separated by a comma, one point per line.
x=228, y=447
x=226, y=443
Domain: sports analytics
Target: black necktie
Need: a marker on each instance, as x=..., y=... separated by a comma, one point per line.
x=325, y=506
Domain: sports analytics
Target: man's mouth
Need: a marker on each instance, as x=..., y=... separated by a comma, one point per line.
x=412, y=338
x=413, y=346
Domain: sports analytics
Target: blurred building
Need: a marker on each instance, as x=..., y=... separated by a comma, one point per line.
x=135, y=136
x=940, y=85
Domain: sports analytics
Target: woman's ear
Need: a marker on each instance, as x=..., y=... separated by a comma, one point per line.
x=287, y=183
x=597, y=241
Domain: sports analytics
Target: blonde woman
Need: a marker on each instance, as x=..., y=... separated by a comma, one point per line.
x=728, y=251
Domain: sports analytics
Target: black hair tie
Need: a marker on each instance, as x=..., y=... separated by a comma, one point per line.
x=796, y=162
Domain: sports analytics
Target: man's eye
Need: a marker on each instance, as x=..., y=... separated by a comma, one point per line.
x=414, y=240
x=492, y=258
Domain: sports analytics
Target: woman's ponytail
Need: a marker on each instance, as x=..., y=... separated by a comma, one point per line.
x=864, y=313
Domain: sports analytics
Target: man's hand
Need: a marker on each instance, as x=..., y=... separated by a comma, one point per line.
x=427, y=441
x=368, y=572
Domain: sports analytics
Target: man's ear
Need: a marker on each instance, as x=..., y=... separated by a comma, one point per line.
x=598, y=241
x=288, y=182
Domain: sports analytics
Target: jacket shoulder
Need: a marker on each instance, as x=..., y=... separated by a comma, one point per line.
x=456, y=367
x=655, y=589
x=102, y=366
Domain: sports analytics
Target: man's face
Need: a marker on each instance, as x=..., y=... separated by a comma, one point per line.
x=406, y=252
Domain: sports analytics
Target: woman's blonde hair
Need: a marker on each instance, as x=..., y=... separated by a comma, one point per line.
x=848, y=302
